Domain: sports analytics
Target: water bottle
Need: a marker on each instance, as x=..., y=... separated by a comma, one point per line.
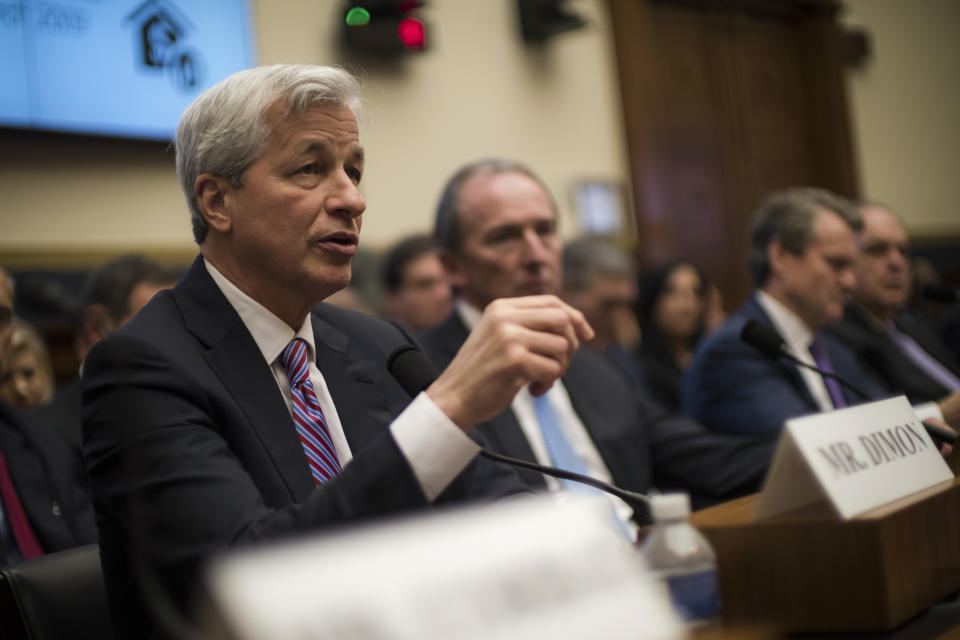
x=682, y=559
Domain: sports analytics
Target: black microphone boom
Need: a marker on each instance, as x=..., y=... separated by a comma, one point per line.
x=415, y=373
x=767, y=341
x=940, y=293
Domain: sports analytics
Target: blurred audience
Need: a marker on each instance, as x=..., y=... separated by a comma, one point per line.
x=112, y=295
x=601, y=281
x=415, y=287
x=672, y=312
x=115, y=292
x=42, y=507
x=892, y=345
x=350, y=298
x=27, y=378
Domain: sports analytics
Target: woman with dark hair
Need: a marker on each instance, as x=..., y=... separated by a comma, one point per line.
x=671, y=310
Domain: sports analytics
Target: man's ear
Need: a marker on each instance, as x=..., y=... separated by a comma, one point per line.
x=775, y=257
x=451, y=264
x=96, y=324
x=212, y=193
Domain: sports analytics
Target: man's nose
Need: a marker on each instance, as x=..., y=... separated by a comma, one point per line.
x=848, y=280
x=347, y=200
x=535, y=247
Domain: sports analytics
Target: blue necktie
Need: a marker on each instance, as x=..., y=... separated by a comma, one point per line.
x=561, y=451
x=564, y=457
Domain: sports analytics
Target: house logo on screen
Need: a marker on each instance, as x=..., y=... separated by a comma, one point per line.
x=159, y=33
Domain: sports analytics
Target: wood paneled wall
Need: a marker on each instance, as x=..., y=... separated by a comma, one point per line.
x=725, y=101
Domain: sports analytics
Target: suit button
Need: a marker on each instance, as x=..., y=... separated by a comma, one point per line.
x=55, y=508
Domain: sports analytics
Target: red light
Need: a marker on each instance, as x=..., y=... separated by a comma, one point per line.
x=411, y=33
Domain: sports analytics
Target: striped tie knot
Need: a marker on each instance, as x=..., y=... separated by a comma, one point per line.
x=294, y=360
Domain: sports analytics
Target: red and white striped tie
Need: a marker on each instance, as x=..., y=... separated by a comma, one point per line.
x=307, y=414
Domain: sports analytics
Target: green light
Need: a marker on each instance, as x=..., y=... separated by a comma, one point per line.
x=358, y=17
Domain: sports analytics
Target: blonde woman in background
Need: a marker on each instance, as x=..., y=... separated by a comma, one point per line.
x=27, y=380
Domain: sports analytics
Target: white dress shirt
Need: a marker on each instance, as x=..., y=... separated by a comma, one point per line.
x=799, y=338
x=570, y=424
x=436, y=449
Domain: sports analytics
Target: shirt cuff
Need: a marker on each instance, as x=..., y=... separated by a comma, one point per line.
x=436, y=449
x=928, y=410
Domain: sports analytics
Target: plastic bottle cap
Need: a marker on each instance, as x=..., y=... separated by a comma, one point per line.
x=670, y=506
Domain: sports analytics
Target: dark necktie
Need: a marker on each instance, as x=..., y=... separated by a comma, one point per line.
x=822, y=361
x=927, y=363
x=307, y=415
x=19, y=525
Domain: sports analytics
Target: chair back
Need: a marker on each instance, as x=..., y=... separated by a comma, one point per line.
x=59, y=596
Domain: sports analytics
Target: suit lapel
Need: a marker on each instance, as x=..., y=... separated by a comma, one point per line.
x=756, y=312
x=234, y=357
x=360, y=400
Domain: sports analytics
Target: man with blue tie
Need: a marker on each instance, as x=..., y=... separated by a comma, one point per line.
x=496, y=227
x=236, y=408
x=802, y=260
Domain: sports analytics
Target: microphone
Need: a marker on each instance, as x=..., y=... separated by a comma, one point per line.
x=940, y=293
x=415, y=373
x=767, y=341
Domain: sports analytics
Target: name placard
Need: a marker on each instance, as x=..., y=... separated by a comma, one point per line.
x=858, y=459
x=523, y=568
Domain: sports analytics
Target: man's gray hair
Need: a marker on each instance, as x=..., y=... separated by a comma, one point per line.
x=447, y=231
x=786, y=217
x=588, y=257
x=224, y=130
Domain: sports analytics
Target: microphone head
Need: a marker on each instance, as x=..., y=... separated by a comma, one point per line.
x=763, y=338
x=411, y=369
x=940, y=293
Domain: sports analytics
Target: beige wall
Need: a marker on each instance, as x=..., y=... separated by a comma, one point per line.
x=478, y=91
x=906, y=106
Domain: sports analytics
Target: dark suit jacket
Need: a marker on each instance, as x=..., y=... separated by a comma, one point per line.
x=43, y=473
x=190, y=448
x=733, y=388
x=63, y=412
x=883, y=359
x=641, y=445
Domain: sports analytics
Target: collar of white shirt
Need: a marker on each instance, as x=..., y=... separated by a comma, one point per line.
x=271, y=334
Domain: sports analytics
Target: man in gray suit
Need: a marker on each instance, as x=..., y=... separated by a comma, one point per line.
x=496, y=225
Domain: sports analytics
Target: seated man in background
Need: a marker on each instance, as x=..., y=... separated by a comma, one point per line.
x=891, y=345
x=42, y=508
x=601, y=281
x=496, y=225
x=112, y=294
x=415, y=288
x=802, y=261
x=236, y=409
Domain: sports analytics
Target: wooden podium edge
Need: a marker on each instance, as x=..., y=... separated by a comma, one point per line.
x=810, y=571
